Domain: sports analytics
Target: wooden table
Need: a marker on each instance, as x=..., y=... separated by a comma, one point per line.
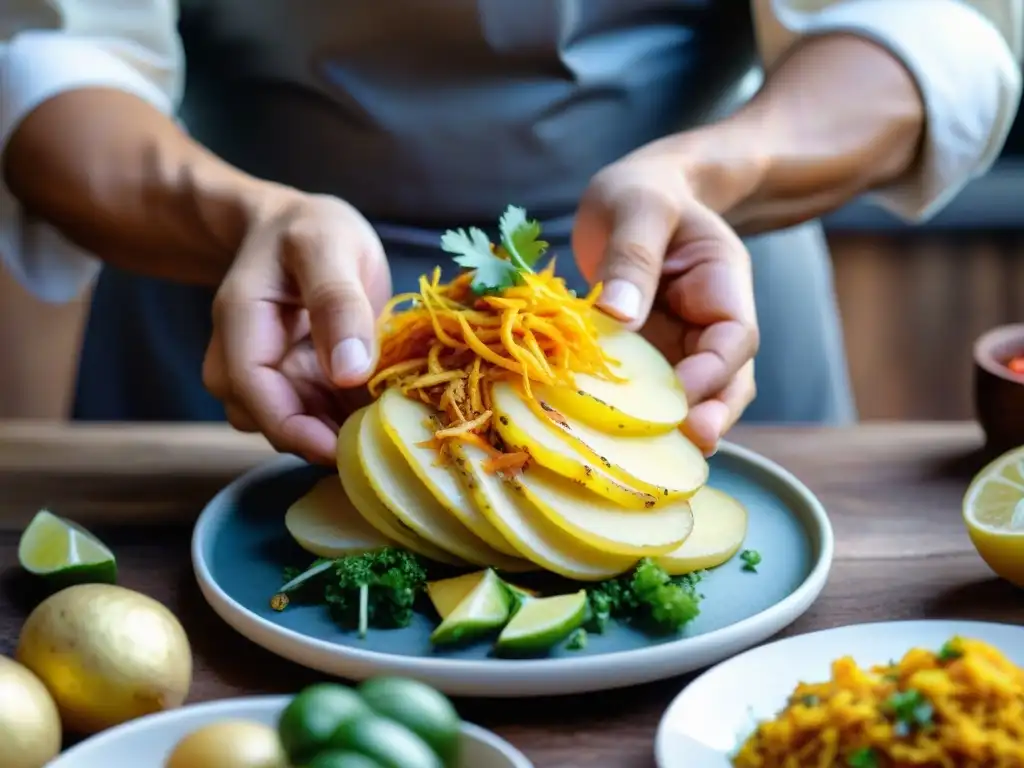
x=893, y=492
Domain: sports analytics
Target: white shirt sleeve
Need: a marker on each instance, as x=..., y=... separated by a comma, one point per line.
x=48, y=47
x=965, y=56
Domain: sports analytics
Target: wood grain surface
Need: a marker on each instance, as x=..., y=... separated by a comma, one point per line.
x=893, y=493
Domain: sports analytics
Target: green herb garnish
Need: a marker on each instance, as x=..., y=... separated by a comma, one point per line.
x=374, y=589
x=577, y=640
x=951, y=650
x=911, y=710
x=863, y=758
x=751, y=559
x=497, y=269
x=648, y=596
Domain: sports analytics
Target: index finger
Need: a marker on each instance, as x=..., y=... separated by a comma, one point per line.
x=253, y=342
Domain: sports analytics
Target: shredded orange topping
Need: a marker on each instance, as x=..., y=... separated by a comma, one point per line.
x=449, y=346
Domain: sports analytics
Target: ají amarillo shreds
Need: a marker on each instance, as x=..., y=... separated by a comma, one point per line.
x=448, y=343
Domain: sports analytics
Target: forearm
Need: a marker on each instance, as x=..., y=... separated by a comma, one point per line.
x=120, y=179
x=839, y=116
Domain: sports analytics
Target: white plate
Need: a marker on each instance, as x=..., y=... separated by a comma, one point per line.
x=148, y=741
x=711, y=717
x=788, y=525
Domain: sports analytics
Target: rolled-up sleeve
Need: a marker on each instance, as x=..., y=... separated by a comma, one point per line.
x=47, y=48
x=965, y=56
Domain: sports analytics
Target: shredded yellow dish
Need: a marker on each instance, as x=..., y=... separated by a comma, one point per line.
x=960, y=707
x=450, y=344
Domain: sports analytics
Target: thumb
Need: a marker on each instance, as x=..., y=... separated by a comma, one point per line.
x=327, y=272
x=642, y=230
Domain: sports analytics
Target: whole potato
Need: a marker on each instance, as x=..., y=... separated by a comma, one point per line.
x=107, y=655
x=229, y=744
x=29, y=724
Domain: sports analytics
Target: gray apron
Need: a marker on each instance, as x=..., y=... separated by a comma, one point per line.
x=434, y=115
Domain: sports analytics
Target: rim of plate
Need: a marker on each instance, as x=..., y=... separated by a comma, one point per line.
x=667, y=738
x=499, y=678
x=258, y=703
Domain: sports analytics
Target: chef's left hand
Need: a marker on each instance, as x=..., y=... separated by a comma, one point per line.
x=675, y=270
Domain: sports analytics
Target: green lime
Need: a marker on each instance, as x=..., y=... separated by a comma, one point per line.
x=63, y=553
x=311, y=718
x=389, y=743
x=446, y=594
x=424, y=711
x=337, y=759
x=542, y=623
x=484, y=609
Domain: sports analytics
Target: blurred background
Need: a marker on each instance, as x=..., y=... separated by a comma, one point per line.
x=913, y=299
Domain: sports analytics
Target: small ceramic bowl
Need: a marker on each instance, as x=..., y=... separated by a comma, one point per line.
x=998, y=391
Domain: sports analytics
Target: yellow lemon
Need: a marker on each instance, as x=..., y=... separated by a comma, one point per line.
x=994, y=515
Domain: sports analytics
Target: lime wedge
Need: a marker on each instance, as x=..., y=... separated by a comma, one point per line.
x=543, y=623
x=63, y=553
x=446, y=594
x=486, y=608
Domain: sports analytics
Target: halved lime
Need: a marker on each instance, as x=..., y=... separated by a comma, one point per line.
x=63, y=553
x=486, y=608
x=542, y=623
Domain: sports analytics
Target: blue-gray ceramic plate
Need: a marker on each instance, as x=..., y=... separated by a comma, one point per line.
x=240, y=547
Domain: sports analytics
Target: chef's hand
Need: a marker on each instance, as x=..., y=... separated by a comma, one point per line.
x=293, y=321
x=674, y=270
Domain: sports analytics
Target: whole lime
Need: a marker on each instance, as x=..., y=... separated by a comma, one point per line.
x=312, y=717
x=423, y=710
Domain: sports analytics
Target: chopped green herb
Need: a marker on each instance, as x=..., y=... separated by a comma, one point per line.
x=577, y=640
x=911, y=710
x=496, y=270
x=374, y=589
x=951, y=650
x=863, y=758
x=810, y=701
x=647, y=596
x=751, y=559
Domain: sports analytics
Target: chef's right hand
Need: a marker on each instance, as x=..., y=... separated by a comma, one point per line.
x=293, y=324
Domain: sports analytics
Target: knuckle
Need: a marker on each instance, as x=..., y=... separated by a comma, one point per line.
x=753, y=333
x=215, y=379
x=638, y=256
x=229, y=296
x=302, y=239
x=335, y=297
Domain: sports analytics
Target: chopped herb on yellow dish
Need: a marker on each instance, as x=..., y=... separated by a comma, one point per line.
x=961, y=706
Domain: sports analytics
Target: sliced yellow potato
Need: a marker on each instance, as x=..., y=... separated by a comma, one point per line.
x=523, y=430
x=650, y=401
x=407, y=497
x=719, y=528
x=325, y=523
x=446, y=594
x=601, y=523
x=366, y=503
x=663, y=467
x=407, y=423
x=537, y=538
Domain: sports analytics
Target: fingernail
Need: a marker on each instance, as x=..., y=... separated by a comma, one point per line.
x=621, y=299
x=350, y=358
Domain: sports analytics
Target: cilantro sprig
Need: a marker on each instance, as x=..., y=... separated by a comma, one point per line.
x=500, y=268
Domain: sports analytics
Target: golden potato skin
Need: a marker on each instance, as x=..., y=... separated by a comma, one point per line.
x=107, y=655
x=30, y=730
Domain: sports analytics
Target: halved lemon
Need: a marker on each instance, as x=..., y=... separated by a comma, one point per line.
x=994, y=515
